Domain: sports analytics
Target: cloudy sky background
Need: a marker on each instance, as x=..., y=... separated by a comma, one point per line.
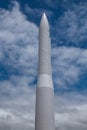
x=19, y=23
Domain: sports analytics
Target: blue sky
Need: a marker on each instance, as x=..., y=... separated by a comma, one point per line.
x=19, y=24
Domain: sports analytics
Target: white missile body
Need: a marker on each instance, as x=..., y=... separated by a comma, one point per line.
x=44, y=118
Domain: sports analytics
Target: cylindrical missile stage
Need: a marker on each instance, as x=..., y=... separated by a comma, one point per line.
x=44, y=118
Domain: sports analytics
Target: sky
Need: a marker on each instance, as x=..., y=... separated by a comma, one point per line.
x=19, y=25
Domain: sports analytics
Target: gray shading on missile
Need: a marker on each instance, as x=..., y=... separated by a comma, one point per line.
x=44, y=114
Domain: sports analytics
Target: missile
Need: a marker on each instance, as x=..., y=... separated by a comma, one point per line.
x=44, y=112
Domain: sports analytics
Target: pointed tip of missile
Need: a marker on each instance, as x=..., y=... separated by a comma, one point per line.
x=44, y=15
x=44, y=21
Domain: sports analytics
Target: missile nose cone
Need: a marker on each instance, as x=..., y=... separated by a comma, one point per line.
x=44, y=15
x=44, y=47
x=44, y=22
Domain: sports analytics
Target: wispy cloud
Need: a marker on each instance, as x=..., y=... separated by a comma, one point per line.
x=71, y=27
x=69, y=63
x=18, y=43
x=33, y=12
x=52, y=4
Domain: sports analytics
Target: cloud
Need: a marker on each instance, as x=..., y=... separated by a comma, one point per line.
x=17, y=104
x=71, y=27
x=33, y=12
x=18, y=63
x=71, y=112
x=52, y=4
x=69, y=63
x=18, y=43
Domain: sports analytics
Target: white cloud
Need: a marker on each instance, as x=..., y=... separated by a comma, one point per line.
x=71, y=112
x=17, y=104
x=68, y=65
x=18, y=56
x=72, y=26
x=18, y=42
